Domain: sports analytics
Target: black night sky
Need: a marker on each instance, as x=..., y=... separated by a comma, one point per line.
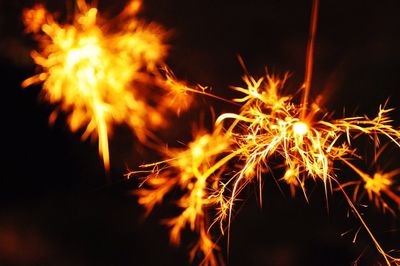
x=58, y=207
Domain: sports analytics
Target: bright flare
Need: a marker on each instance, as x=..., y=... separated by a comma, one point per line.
x=102, y=72
x=300, y=128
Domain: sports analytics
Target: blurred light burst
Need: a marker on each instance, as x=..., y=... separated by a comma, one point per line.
x=103, y=72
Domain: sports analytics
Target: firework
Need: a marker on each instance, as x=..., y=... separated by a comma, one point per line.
x=103, y=72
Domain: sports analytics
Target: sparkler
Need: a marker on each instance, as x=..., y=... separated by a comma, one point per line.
x=102, y=72
x=269, y=129
x=272, y=130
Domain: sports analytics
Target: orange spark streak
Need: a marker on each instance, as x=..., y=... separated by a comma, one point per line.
x=310, y=57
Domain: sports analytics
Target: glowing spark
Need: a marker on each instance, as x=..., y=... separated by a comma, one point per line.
x=269, y=129
x=196, y=171
x=100, y=72
x=379, y=184
x=272, y=131
x=300, y=128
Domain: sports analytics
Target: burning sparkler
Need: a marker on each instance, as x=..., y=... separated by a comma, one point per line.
x=272, y=130
x=102, y=72
x=268, y=129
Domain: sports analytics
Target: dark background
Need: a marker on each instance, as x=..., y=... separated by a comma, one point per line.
x=57, y=207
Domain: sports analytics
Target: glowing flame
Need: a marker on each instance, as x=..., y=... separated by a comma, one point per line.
x=102, y=72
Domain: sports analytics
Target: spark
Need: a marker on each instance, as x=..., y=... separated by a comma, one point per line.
x=102, y=72
x=269, y=129
x=300, y=128
x=273, y=130
x=196, y=171
x=376, y=185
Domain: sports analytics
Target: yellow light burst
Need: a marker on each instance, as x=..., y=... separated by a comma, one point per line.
x=196, y=171
x=379, y=186
x=102, y=72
